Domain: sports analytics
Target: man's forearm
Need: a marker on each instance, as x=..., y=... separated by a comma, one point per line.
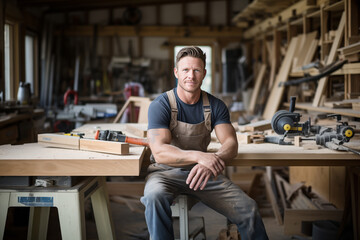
x=228, y=150
x=174, y=156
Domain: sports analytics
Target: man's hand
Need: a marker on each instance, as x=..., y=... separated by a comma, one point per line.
x=198, y=177
x=211, y=161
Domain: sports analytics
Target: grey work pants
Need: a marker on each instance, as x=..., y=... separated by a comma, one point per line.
x=164, y=183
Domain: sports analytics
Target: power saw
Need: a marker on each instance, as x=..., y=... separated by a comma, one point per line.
x=287, y=124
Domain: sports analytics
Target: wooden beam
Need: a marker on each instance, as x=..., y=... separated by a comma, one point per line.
x=153, y=31
x=119, y=148
x=297, y=9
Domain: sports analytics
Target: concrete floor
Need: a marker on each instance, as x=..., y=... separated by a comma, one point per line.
x=131, y=225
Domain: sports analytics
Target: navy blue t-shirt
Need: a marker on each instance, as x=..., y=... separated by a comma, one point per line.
x=159, y=114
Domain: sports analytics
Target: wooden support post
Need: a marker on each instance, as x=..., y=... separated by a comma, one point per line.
x=2, y=46
x=324, y=15
x=306, y=24
x=275, y=56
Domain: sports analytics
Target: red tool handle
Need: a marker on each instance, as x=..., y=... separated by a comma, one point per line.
x=72, y=92
x=137, y=141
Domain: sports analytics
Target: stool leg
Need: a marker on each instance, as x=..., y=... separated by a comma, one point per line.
x=183, y=218
x=101, y=208
x=71, y=215
x=4, y=205
x=38, y=223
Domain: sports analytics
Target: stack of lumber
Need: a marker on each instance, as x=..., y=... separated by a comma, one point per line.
x=300, y=204
x=351, y=52
x=252, y=132
x=348, y=103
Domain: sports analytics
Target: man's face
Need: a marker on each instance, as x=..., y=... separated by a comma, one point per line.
x=190, y=73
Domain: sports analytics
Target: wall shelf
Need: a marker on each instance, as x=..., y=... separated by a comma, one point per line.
x=341, y=111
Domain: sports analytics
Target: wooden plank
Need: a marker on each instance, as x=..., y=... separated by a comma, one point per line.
x=243, y=138
x=305, y=55
x=311, y=51
x=350, y=49
x=275, y=97
x=332, y=57
x=93, y=145
x=256, y=126
x=59, y=140
x=341, y=111
x=272, y=199
x=338, y=104
x=293, y=218
x=258, y=84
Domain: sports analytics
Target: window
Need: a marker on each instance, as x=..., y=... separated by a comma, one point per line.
x=8, y=53
x=207, y=83
x=31, y=61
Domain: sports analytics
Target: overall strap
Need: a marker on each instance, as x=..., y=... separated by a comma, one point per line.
x=174, y=110
x=207, y=110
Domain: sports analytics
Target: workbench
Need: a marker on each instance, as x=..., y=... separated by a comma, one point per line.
x=36, y=160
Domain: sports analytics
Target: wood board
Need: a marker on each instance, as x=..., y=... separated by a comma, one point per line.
x=93, y=145
x=276, y=94
x=59, y=140
x=256, y=126
x=73, y=142
x=258, y=84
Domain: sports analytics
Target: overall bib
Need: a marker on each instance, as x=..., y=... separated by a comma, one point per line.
x=164, y=183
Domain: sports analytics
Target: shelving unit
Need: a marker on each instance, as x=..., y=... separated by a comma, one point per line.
x=269, y=39
x=270, y=42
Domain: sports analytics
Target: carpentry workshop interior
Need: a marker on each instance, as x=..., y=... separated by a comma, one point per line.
x=76, y=81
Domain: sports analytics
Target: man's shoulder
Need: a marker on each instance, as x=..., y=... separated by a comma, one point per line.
x=215, y=100
x=161, y=100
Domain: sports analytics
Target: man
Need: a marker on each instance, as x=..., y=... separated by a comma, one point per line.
x=180, y=123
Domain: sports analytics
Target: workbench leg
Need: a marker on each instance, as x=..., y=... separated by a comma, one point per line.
x=102, y=213
x=71, y=215
x=38, y=223
x=4, y=205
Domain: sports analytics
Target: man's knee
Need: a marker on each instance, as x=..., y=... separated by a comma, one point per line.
x=154, y=197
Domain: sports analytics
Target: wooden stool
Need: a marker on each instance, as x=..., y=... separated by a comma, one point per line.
x=70, y=204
